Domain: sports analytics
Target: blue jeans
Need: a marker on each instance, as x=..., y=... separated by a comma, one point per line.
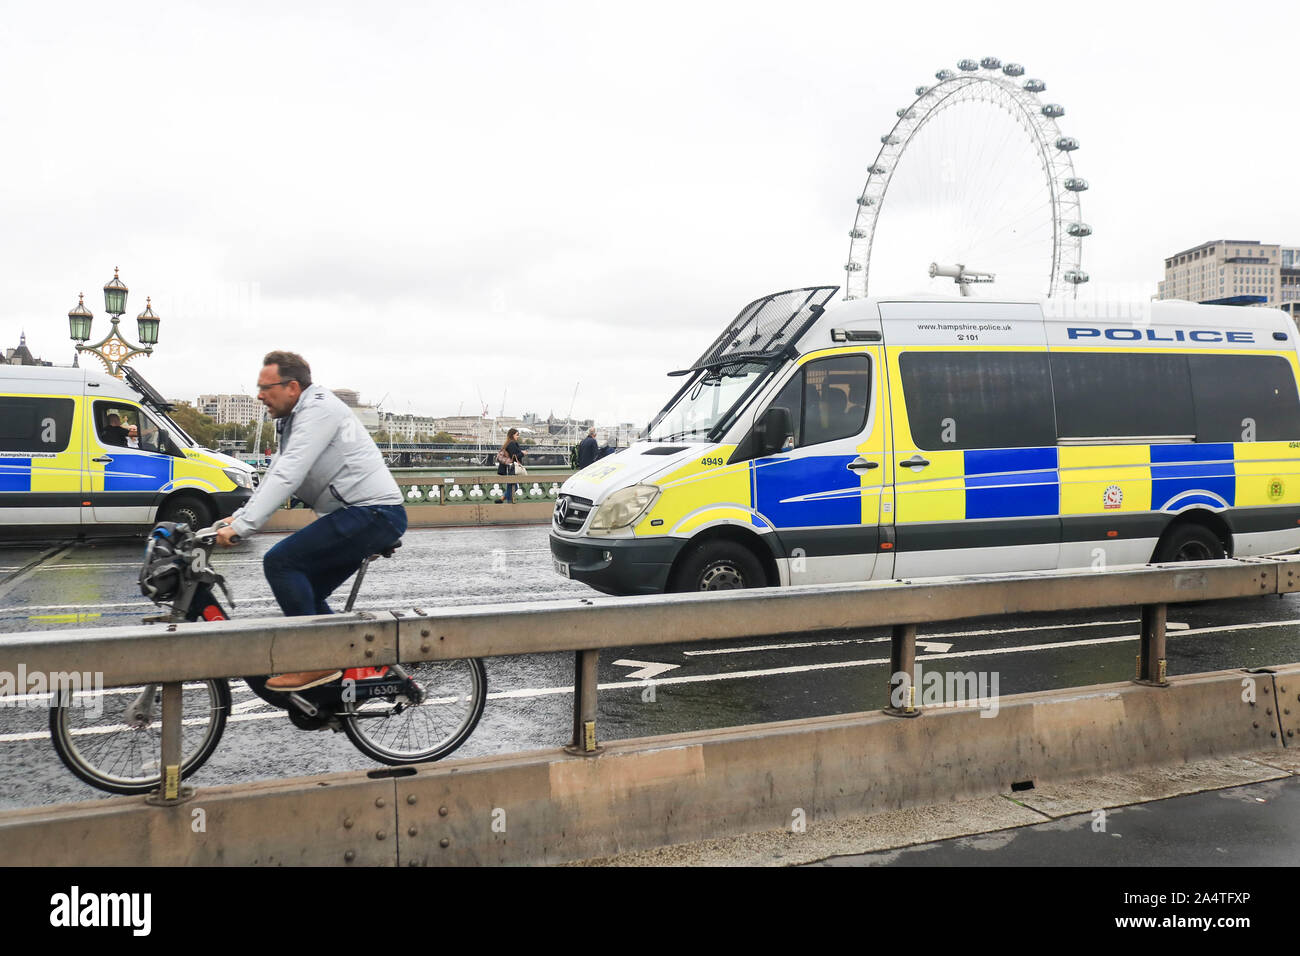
x=305, y=568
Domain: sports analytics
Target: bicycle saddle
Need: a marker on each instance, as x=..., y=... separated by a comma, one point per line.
x=388, y=552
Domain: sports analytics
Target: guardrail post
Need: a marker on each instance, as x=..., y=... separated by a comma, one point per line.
x=902, y=672
x=584, y=704
x=170, y=790
x=1151, y=646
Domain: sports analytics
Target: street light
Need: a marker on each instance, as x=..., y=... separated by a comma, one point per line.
x=147, y=323
x=114, y=350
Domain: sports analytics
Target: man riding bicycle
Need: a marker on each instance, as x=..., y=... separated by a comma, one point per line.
x=327, y=459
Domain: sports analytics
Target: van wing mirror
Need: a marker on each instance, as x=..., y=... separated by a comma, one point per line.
x=773, y=429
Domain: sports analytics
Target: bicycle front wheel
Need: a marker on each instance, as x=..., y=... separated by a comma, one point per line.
x=112, y=739
x=397, y=730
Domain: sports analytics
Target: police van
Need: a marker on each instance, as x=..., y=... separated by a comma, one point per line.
x=818, y=442
x=81, y=452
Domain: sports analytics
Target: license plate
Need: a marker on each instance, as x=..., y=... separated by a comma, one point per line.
x=561, y=567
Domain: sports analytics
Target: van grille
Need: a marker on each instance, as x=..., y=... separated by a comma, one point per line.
x=570, y=512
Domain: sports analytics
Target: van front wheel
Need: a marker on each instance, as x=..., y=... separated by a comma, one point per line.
x=187, y=509
x=719, y=566
x=1189, y=542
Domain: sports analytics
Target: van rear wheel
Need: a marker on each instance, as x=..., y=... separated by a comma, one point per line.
x=1190, y=542
x=719, y=566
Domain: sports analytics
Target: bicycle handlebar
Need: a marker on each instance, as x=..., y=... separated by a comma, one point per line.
x=208, y=535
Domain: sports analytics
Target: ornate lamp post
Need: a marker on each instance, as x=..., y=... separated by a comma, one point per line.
x=113, y=349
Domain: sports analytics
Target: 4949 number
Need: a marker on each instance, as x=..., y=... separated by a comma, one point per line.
x=712, y=461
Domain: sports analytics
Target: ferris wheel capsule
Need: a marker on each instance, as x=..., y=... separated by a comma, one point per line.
x=877, y=170
x=1076, y=185
x=866, y=200
x=1054, y=110
x=1035, y=86
x=889, y=139
x=991, y=63
x=1075, y=276
x=967, y=66
x=944, y=75
x=906, y=113
x=922, y=90
x=1079, y=229
x=1013, y=69
x=857, y=234
x=1067, y=143
x=852, y=267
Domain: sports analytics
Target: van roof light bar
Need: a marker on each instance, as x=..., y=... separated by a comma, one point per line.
x=765, y=327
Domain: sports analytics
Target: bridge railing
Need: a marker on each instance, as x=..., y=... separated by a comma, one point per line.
x=174, y=653
x=451, y=489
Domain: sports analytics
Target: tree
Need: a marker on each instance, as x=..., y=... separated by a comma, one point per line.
x=198, y=426
x=443, y=438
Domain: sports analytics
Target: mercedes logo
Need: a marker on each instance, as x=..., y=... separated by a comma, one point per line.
x=561, y=510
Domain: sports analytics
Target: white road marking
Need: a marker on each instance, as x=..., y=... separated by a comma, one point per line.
x=933, y=647
x=1171, y=626
x=837, y=665
x=647, y=670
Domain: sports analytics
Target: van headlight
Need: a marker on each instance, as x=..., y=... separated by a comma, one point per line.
x=622, y=508
x=239, y=477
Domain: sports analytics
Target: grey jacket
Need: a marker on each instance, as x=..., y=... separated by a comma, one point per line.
x=326, y=458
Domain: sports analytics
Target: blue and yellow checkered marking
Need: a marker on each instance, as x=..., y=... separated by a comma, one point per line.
x=140, y=472
x=15, y=474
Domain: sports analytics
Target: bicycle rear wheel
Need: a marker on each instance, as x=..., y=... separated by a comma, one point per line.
x=109, y=748
x=397, y=730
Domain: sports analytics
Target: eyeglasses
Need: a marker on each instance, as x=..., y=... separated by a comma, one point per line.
x=264, y=388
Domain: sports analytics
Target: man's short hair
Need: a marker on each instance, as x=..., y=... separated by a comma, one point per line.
x=291, y=365
x=591, y=430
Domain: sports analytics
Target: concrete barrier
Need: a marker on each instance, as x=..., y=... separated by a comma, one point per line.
x=551, y=807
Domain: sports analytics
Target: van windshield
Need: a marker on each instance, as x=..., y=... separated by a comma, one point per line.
x=707, y=401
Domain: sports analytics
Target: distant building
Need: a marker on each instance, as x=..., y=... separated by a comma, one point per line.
x=230, y=409
x=22, y=355
x=348, y=397
x=1235, y=272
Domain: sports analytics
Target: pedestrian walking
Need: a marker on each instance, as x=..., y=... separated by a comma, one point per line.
x=588, y=449
x=508, y=457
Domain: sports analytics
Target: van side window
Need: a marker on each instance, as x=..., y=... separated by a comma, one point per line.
x=1244, y=398
x=39, y=425
x=1119, y=394
x=828, y=400
x=961, y=400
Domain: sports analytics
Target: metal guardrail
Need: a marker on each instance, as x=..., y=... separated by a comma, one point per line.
x=177, y=652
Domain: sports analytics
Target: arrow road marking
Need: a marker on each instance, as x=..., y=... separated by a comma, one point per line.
x=648, y=668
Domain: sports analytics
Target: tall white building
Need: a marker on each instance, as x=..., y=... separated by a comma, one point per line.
x=227, y=409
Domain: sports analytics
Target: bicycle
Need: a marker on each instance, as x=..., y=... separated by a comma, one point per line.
x=395, y=714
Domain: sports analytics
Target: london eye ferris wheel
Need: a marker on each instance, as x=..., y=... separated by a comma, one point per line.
x=975, y=183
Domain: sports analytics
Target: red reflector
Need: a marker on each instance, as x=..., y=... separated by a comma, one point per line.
x=86, y=504
x=1112, y=534
x=889, y=545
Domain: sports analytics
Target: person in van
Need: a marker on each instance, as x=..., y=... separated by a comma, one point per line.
x=113, y=433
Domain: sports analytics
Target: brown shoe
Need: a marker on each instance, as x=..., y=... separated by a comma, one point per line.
x=302, y=680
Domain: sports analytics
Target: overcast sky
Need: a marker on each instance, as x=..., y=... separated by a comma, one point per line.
x=437, y=201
